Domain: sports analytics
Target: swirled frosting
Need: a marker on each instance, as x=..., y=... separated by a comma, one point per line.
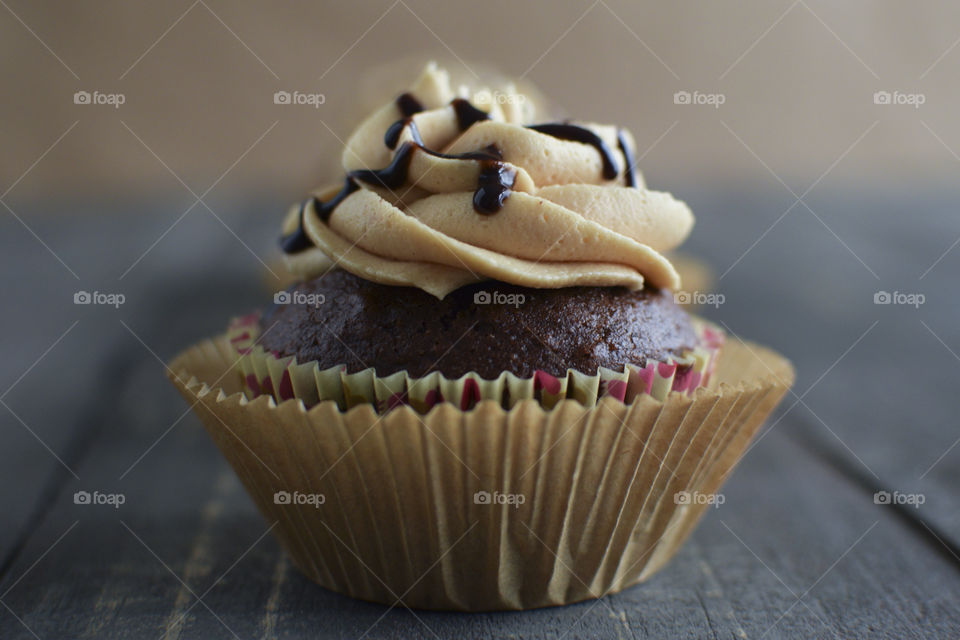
x=444, y=188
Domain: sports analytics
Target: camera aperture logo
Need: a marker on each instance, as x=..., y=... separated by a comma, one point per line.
x=299, y=499
x=899, y=298
x=299, y=98
x=697, y=498
x=97, y=498
x=299, y=297
x=512, y=499
x=698, y=98
x=99, y=298
x=699, y=298
x=498, y=97
x=898, y=98
x=495, y=297
x=99, y=98
x=907, y=499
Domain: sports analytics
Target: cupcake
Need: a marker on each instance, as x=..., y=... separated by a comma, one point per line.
x=481, y=393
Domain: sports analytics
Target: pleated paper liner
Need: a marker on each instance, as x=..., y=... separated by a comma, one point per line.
x=284, y=378
x=488, y=508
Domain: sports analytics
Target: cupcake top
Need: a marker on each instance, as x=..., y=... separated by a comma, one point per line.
x=444, y=188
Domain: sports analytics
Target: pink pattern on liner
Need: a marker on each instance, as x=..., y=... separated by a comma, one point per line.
x=247, y=320
x=646, y=375
x=545, y=381
x=286, y=386
x=681, y=379
x=616, y=389
x=471, y=394
x=397, y=400
x=254, y=385
x=434, y=397
x=666, y=369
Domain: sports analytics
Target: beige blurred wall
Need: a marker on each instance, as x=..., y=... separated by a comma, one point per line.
x=198, y=79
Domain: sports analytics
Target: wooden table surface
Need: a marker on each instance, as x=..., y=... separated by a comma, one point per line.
x=798, y=549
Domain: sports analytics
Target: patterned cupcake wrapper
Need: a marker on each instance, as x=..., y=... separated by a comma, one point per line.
x=491, y=508
x=283, y=378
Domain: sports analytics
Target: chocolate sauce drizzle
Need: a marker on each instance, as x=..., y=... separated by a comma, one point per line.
x=408, y=104
x=567, y=131
x=392, y=136
x=630, y=175
x=493, y=186
x=299, y=240
x=467, y=114
x=496, y=178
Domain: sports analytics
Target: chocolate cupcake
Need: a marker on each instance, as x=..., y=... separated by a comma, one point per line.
x=481, y=381
x=486, y=328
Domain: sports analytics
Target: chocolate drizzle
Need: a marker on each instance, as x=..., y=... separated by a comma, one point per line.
x=496, y=178
x=299, y=240
x=391, y=176
x=408, y=104
x=567, y=131
x=467, y=114
x=495, y=181
x=630, y=175
x=493, y=186
x=392, y=136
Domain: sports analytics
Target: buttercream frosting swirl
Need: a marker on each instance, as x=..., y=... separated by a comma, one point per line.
x=446, y=187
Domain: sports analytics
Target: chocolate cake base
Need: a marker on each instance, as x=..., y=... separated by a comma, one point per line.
x=489, y=327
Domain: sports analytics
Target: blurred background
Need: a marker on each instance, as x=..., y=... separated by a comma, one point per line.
x=198, y=77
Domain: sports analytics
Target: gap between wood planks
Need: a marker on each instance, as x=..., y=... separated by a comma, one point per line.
x=116, y=367
x=841, y=462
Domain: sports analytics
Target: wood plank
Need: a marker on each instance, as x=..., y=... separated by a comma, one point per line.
x=55, y=349
x=44, y=335
x=887, y=407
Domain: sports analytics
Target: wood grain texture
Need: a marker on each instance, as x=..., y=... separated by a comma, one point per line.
x=798, y=549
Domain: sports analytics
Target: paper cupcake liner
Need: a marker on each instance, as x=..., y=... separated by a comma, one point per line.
x=283, y=378
x=489, y=508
